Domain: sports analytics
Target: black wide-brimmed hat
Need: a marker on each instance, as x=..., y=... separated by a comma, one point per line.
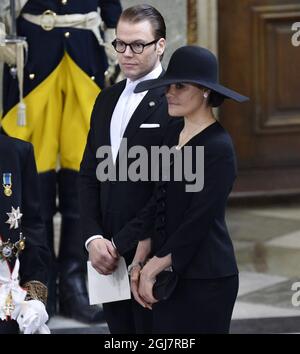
x=192, y=64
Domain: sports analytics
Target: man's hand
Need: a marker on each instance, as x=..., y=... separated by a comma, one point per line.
x=103, y=256
x=33, y=317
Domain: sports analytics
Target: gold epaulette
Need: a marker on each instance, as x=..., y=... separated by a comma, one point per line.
x=36, y=290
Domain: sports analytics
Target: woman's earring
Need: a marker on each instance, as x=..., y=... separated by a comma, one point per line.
x=205, y=95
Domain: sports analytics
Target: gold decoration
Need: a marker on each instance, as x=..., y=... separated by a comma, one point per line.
x=7, y=190
x=36, y=290
x=8, y=250
x=9, y=305
x=20, y=245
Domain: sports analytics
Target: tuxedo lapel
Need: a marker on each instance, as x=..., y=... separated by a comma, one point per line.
x=112, y=100
x=104, y=127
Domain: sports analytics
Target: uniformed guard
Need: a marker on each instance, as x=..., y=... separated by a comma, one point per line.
x=24, y=254
x=68, y=54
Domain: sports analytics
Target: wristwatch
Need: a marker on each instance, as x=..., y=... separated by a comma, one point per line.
x=134, y=264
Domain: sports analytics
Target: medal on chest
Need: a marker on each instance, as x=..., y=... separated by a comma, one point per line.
x=7, y=184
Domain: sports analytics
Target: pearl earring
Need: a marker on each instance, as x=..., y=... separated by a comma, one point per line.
x=205, y=95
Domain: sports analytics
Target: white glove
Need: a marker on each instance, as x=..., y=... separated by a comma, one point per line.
x=109, y=36
x=2, y=33
x=8, y=54
x=33, y=317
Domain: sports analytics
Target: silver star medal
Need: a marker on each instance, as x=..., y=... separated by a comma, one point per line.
x=14, y=218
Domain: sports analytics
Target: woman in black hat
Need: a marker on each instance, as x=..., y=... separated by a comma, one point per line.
x=190, y=236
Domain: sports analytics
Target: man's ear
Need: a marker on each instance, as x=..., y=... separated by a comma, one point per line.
x=161, y=46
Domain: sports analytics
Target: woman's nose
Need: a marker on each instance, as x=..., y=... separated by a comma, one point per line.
x=170, y=90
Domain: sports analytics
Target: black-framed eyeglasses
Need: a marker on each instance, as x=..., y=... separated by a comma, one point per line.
x=136, y=47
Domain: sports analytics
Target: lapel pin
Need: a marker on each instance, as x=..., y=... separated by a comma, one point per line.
x=151, y=104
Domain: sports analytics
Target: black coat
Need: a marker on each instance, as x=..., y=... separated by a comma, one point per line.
x=110, y=208
x=17, y=158
x=191, y=225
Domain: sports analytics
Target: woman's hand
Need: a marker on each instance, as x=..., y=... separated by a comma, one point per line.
x=142, y=252
x=145, y=289
x=134, y=284
x=148, y=276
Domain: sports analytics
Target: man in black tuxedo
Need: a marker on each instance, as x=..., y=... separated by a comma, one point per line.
x=22, y=232
x=110, y=209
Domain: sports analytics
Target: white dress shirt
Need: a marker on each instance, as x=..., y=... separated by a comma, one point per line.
x=125, y=107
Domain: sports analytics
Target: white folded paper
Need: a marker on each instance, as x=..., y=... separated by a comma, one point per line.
x=108, y=288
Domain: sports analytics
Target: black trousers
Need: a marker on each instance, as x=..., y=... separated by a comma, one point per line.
x=9, y=327
x=197, y=306
x=127, y=317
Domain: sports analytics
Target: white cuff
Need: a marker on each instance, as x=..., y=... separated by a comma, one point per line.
x=112, y=242
x=91, y=239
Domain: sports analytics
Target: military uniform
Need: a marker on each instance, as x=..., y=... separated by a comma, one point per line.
x=63, y=75
x=19, y=189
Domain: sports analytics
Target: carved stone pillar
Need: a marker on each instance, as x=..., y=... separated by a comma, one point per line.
x=205, y=30
x=207, y=27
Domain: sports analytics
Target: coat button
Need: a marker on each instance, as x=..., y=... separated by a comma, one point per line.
x=67, y=34
x=64, y=2
x=31, y=76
